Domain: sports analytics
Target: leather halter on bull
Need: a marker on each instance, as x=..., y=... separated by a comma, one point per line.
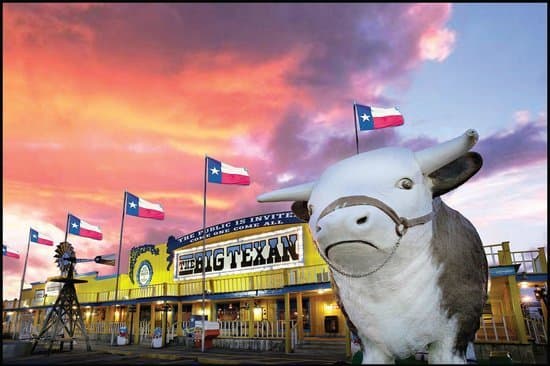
x=401, y=226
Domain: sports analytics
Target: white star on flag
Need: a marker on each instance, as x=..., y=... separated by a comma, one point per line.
x=364, y=117
x=132, y=204
x=74, y=224
x=214, y=171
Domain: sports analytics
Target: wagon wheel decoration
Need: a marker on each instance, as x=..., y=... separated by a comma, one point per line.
x=65, y=257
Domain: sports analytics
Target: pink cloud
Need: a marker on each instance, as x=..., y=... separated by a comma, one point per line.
x=437, y=44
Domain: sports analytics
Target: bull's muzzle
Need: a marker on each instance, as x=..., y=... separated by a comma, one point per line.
x=401, y=226
x=401, y=223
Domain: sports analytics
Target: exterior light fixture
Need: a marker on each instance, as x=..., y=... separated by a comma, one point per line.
x=257, y=313
x=524, y=283
x=525, y=299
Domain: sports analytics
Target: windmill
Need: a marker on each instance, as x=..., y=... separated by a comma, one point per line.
x=65, y=315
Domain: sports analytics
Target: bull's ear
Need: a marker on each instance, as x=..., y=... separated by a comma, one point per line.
x=455, y=173
x=300, y=210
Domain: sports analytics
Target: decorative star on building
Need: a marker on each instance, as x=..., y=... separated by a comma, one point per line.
x=365, y=117
x=132, y=204
x=214, y=171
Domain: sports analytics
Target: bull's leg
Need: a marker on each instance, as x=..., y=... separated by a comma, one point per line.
x=442, y=351
x=372, y=353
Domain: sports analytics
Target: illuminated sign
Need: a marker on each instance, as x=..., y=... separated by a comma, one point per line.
x=262, y=252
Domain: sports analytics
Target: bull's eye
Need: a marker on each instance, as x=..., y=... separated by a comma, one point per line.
x=405, y=183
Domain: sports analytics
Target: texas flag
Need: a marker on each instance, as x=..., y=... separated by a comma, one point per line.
x=372, y=118
x=222, y=173
x=139, y=207
x=37, y=238
x=9, y=252
x=82, y=228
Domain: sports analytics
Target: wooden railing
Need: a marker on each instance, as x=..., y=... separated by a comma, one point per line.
x=491, y=251
x=497, y=328
x=530, y=261
x=233, y=328
x=270, y=329
x=536, y=330
x=171, y=332
x=261, y=329
x=272, y=280
x=144, y=330
x=228, y=329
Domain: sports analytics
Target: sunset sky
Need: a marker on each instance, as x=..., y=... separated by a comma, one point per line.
x=103, y=98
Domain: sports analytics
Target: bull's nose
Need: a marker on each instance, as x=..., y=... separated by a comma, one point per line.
x=351, y=219
x=362, y=220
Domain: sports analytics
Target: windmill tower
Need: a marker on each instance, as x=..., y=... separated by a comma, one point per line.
x=65, y=315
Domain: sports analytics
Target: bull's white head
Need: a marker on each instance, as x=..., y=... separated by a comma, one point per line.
x=362, y=205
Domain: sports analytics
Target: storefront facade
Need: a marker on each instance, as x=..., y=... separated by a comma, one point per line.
x=263, y=275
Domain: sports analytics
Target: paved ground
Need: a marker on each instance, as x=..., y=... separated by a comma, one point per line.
x=171, y=355
x=104, y=354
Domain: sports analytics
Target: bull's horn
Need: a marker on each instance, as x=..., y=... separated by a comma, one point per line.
x=433, y=158
x=295, y=193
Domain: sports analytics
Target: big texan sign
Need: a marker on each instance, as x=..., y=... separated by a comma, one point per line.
x=262, y=252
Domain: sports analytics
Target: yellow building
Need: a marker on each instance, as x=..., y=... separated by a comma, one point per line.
x=263, y=280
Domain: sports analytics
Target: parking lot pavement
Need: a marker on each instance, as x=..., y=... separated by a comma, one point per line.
x=88, y=358
x=171, y=355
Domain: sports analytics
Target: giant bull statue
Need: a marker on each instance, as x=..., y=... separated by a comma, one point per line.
x=408, y=271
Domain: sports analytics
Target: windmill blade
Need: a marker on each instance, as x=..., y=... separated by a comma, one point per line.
x=64, y=256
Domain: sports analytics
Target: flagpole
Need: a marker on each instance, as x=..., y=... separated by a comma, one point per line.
x=355, y=124
x=24, y=270
x=67, y=226
x=120, y=246
x=204, y=251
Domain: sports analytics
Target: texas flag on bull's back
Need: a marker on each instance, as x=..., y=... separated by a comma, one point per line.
x=372, y=118
x=82, y=228
x=8, y=252
x=222, y=173
x=139, y=207
x=38, y=238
